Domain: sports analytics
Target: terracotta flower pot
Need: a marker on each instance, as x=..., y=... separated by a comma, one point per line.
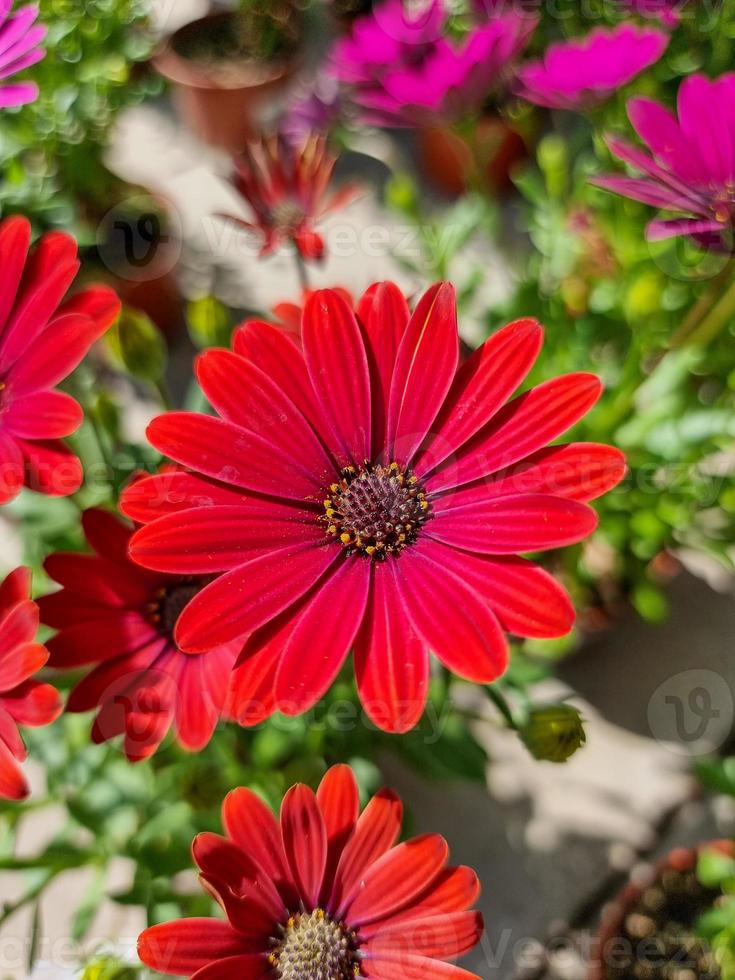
x=449, y=161
x=224, y=109
x=612, y=927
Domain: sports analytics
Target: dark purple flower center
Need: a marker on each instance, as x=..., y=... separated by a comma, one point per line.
x=375, y=510
x=287, y=217
x=169, y=603
x=315, y=947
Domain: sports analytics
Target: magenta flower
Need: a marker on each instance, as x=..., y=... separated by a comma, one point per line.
x=390, y=35
x=581, y=73
x=20, y=47
x=667, y=11
x=691, y=167
x=447, y=81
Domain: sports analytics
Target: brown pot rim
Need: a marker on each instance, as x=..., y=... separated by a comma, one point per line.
x=175, y=68
x=681, y=858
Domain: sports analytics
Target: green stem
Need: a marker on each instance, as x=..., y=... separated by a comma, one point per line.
x=164, y=393
x=301, y=271
x=502, y=705
x=721, y=314
x=705, y=307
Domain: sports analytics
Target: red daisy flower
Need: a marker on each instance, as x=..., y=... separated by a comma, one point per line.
x=288, y=191
x=115, y=614
x=41, y=343
x=328, y=895
x=368, y=491
x=22, y=701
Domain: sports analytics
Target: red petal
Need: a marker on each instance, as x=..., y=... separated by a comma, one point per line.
x=251, y=698
x=49, y=272
x=185, y=945
x=396, y=878
x=19, y=625
x=527, y=600
x=279, y=357
x=483, y=384
x=201, y=693
x=15, y=239
x=451, y=617
x=107, y=534
x=65, y=342
x=21, y=663
x=509, y=525
x=99, y=640
x=578, y=471
x=424, y=370
x=391, y=662
x=33, y=704
x=242, y=393
x=233, y=869
x=112, y=678
x=11, y=468
x=384, y=312
x=339, y=800
x=403, y=967
x=51, y=468
x=338, y=367
x=99, y=580
x=224, y=452
x=525, y=425
x=240, y=601
x=444, y=936
x=99, y=303
x=304, y=842
x=377, y=830
x=454, y=890
x=43, y=415
x=250, y=823
x=251, y=966
x=13, y=784
x=323, y=633
x=16, y=587
x=168, y=493
x=205, y=540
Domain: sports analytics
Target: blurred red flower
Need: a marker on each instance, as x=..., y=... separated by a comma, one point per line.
x=288, y=190
x=368, y=491
x=112, y=613
x=328, y=894
x=23, y=701
x=41, y=343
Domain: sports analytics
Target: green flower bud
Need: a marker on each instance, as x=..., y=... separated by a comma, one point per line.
x=138, y=344
x=554, y=732
x=209, y=323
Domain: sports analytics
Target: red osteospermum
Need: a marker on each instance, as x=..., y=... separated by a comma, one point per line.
x=23, y=701
x=367, y=490
x=328, y=895
x=288, y=191
x=112, y=613
x=41, y=342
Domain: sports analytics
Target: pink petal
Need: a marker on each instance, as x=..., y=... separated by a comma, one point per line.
x=391, y=662
x=338, y=368
x=424, y=371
